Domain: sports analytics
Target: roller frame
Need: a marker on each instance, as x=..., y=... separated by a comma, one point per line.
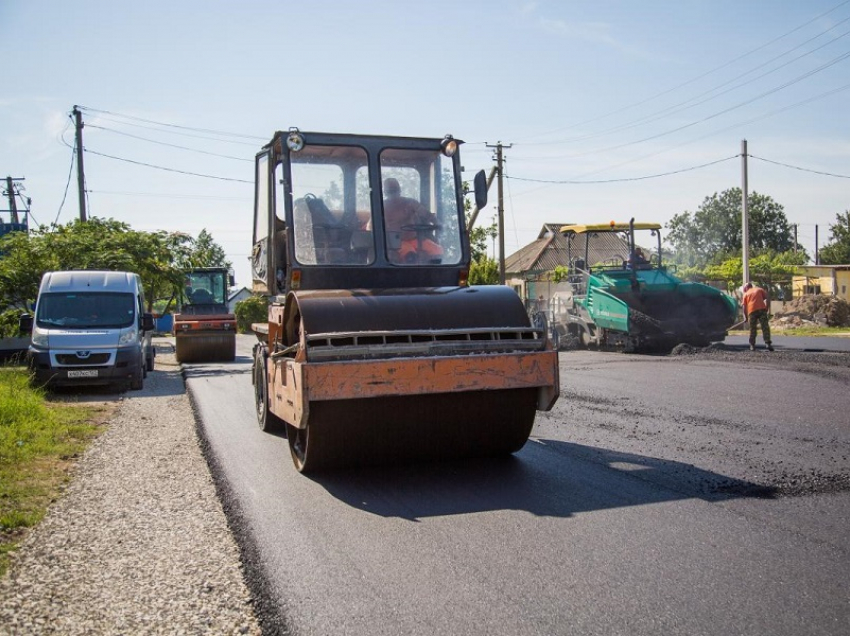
x=294, y=385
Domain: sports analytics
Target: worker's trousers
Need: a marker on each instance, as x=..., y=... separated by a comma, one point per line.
x=759, y=317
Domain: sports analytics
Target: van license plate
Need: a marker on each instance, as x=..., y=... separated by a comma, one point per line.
x=83, y=373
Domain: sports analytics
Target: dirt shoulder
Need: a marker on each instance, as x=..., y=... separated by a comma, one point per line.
x=138, y=543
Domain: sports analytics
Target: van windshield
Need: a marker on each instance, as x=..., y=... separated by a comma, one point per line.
x=85, y=310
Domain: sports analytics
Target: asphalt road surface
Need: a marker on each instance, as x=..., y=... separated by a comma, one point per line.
x=688, y=494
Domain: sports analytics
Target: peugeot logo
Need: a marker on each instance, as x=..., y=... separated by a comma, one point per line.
x=83, y=354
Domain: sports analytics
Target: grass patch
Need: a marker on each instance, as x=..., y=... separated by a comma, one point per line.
x=813, y=331
x=799, y=331
x=38, y=443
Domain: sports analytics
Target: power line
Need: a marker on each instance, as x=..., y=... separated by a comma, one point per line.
x=150, y=165
x=652, y=176
x=786, y=165
x=168, y=196
x=697, y=78
x=68, y=182
x=717, y=132
x=725, y=111
x=162, y=143
x=696, y=101
x=176, y=126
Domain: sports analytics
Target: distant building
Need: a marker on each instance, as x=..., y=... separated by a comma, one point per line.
x=529, y=270
x=828, y=280
x=235, y=296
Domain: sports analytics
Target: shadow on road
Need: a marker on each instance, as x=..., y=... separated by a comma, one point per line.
x=547, y=478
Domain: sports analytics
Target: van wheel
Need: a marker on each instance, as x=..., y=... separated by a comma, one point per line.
x=137, y=380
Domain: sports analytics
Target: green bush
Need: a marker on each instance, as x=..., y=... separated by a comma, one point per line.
x=251, y=310
x=9, y=323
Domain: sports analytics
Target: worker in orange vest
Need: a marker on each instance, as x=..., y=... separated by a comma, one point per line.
x=755, y=312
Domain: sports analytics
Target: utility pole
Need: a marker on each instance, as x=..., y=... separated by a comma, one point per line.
x=81, y=179
x=501, y=206
x=745, y=223
x=10, y=192
x=817, y=247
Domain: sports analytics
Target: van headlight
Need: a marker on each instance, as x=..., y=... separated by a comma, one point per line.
x=39, y=338
x=127, y=337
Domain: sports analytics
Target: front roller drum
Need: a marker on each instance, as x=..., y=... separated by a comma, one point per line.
x=396, y=429
x=205, y=348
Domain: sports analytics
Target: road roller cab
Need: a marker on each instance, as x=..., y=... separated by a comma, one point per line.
x=375, y=348
x=204, y=328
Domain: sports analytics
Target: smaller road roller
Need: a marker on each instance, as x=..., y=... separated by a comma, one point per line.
x=376, y=349
x=204, y=329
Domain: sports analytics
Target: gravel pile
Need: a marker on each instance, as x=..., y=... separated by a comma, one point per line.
x=828, y=311
x=138, y=543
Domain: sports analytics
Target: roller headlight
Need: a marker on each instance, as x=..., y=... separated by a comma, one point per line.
x=448, y=146
x=295, y=141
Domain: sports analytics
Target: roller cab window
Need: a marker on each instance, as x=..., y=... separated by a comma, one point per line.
x=420, y=214
x=331, y=208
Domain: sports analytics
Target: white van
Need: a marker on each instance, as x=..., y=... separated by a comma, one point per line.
x=90, y=328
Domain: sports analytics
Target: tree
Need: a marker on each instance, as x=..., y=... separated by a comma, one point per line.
x=249, y=311
x=484, y=271
x=769, y=269
x=715, y=228
x=837, y=251
x=95, y=244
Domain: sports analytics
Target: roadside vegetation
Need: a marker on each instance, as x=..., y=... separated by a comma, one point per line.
x=160, y=258
x=249, y=311
x=38, y=441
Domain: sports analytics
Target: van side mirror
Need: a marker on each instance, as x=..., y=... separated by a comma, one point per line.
x=480, y=183
x=25, y=323
x=148, y=323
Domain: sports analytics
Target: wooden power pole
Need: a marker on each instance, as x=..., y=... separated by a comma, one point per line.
x=81, y=179
x=501, y=205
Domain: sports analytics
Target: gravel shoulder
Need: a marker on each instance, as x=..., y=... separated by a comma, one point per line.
x=138, y=543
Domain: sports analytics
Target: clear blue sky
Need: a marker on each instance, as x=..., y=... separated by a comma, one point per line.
x=589, y=90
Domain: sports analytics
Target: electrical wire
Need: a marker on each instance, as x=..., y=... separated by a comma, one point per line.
x=625, y=179
x=786, y=165
x=696, y=101
x=68, y=182
x=176, y=126
x=150, y=165
x=695, y=79
x=162, y=143
x=178, y=133
x=717, y=114
x=168, y=196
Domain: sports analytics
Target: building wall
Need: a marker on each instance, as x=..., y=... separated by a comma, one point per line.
x=822, y=280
